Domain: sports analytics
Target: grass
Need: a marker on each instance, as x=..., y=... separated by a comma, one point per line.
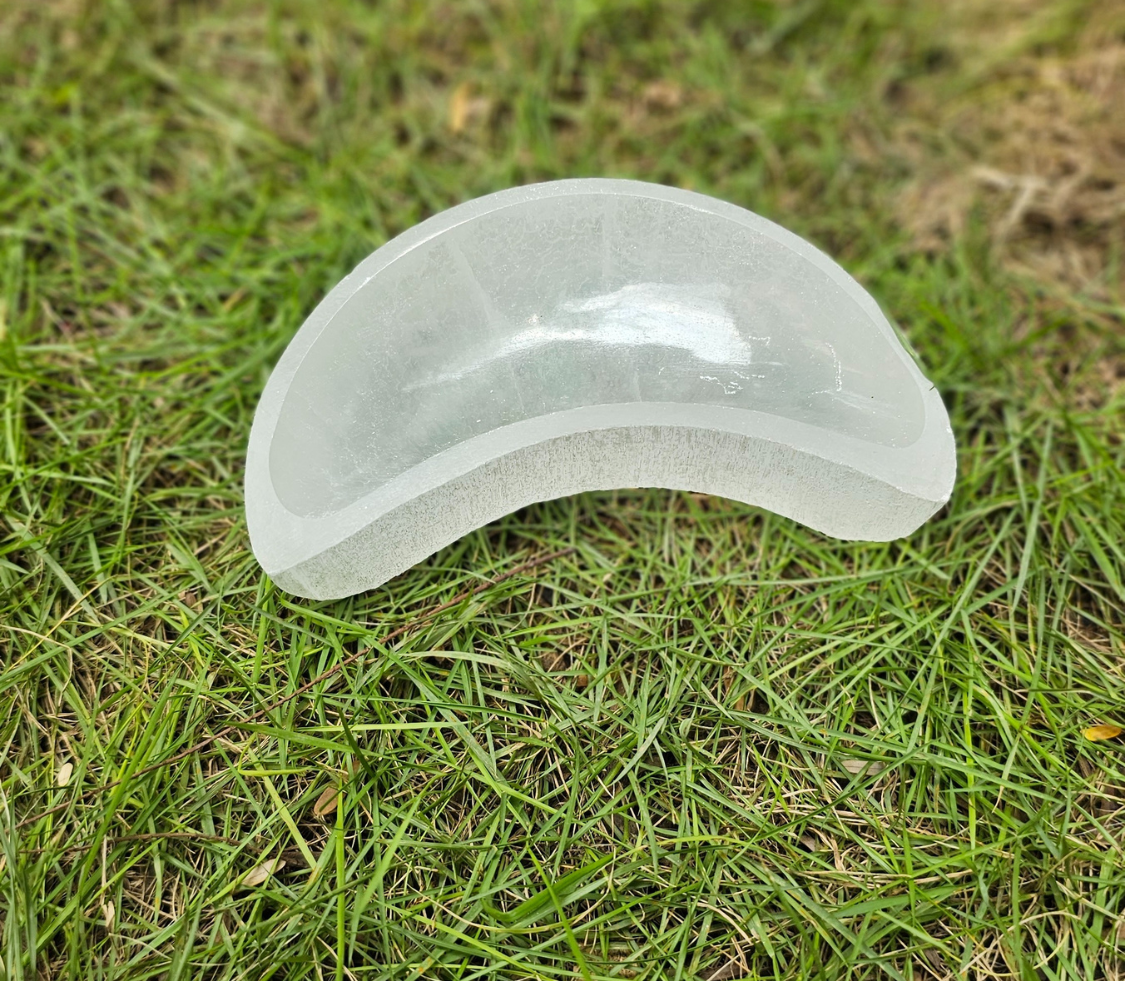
x=702, y=741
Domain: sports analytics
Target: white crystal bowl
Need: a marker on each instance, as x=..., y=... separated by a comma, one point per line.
x=583, y=335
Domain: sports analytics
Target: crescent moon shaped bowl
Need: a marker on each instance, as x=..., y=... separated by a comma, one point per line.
x=583, y=335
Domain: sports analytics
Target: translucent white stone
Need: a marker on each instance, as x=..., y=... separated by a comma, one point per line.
x=583, y=335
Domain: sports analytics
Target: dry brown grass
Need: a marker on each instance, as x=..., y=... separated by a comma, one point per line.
x=1034, y=142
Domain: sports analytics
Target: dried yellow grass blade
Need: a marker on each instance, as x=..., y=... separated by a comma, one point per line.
x=1096, y=733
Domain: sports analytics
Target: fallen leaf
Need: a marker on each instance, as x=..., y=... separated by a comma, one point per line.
x=62, y=778
x=466, y=108
x=662, y=95
x=937, y=962
x=327, y=801
x=459, y=107
x=257, y=875
x=727, y=972
x=1096, y=733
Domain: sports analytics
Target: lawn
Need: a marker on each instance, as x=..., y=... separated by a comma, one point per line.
x=640, y=734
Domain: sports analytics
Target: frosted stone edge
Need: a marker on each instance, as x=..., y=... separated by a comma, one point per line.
x=829, y=497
